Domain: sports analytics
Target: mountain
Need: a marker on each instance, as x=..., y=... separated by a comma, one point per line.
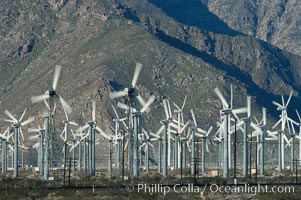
x=276, y=22
x=186, y=48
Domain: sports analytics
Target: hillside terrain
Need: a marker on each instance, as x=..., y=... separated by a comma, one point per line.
x=185, y=48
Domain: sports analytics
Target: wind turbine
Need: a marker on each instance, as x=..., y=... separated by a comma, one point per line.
x=50, y=136
x=205, y=147
x=130, y=93
x=195, y=131
x=4, y=139
x=17, y=124
x=82, y=142
x=284, y=121
x=299, y=135
x=147, y=141
x=226, y=112
x=64, y=135
x=179, y=112
x=117, y=121
x=92, y=127
x=261, y=130
x=40, y=133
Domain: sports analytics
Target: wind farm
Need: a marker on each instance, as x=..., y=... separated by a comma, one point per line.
x=179, y=147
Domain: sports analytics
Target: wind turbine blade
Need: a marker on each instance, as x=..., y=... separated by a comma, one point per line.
x=56, y=76
x=193, y=117
x=10, y=116
x=249, y=106
x=148, y=103
x=114, y=95
x=285, y=138
x=65, y=105
x=72, y=133
x=165, y=108
x=277, y=104
x=209, y=131
x=282, y=99
x=207, y=148
x=147, y=136
x=123, y=106
x=240, y=110
x=183, y=128
x=298, y=116
x=221, y=97
x=6, y=132
x=37, y=145
x=255, y=126
x=46, y=104
x=292, y=126
x=115, y=111
x=66, y=115
x=175, y=105
x=202, y=131
x=277, y=123
x=21, y=133
x=22, y=114
x=81, y=129
x=160, y=130
x=102, y=133
x=256, y=120
x=33, y=137
x=74, y=123
x=184, y=103
x=140, y=100
x=93, y=110
x=136, y=74
x=9, y=120
x=39, y=98
x=28, y=121
x=155, y=135
x=33, y=130
x=289, y=98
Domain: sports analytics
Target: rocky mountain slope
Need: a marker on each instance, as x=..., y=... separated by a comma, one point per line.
x=276, y=22
x=186, y=49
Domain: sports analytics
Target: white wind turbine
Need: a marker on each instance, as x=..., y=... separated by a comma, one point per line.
x=50, y=137
x=227, y=111
x=131, y=94
x=65, y=134
x=39, y=134
x=299, y=134
x=4, y=139
x=146, y=142
x=93, y=127
x=285, y=125
x=204, y=135
x=180, y=121
x=135, y=125
x=17, y=124
x=118, y=141
x=194, y=131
